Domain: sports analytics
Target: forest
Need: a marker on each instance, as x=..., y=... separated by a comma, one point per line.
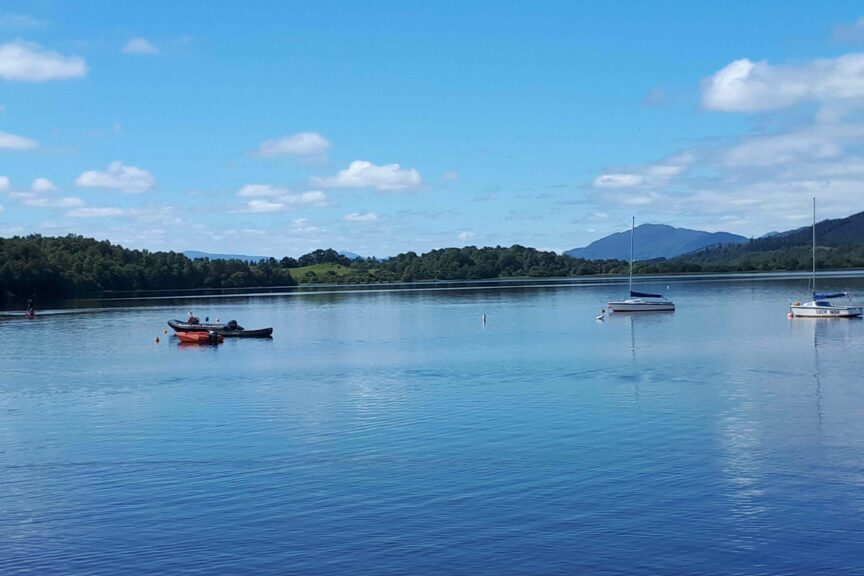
x=74, y=266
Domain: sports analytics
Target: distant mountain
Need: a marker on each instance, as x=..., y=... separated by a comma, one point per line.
x=350, y=255
x=653, y=241
x=193, y=254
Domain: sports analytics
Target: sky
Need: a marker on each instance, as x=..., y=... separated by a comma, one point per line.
x=381, y=127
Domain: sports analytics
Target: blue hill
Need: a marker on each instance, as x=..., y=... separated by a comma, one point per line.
x=653, y=241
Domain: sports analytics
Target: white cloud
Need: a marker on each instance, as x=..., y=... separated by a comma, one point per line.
x=363, y=174
x=20, y=22
x=4, y=183
x=303, y=226
x=118, y=176
x=746, y=86
x=310, y=198
x=650, y=176
x=361, y=217
x=43, y=185
x=268, y=203
x=264, y=206
x=851, y=33
x=464, y=236
x=30, y=62
x=13, y=142
x=95, y=212
x=260, y=190
x=49, y=202
x=139, y=46
x=302, y=144
x=618, y=180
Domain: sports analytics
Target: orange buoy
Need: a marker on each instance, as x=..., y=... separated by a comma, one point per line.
x=789, y=315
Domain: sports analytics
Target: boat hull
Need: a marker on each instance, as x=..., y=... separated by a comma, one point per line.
x=811, y=311
x=641, y=306
x=199, y=337
x=260, y=333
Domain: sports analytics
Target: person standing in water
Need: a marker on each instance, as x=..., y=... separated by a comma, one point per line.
x=31, y=312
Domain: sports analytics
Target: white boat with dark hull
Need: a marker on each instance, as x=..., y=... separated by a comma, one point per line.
x=643, y=302
x=823, y=305
x=640, y=301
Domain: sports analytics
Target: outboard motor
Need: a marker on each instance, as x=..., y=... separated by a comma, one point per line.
x=212, y=337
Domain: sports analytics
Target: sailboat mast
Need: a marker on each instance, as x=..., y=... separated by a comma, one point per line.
x=632, y=233
x=814, y=245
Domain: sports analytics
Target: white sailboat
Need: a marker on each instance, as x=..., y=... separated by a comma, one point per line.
x=822, y=305
x=640, y=301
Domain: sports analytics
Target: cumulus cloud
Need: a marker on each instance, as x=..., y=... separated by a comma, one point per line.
x=139, y=46
x=118, y=176
x=361, y=217
x=363, y=174
x=4, y=183
x=30, y=62
x=747, y=86
x=302, y=144
x=43, y=185
x=13, y=142
x=465, y=236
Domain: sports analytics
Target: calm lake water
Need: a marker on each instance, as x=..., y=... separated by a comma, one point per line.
x=393, y=432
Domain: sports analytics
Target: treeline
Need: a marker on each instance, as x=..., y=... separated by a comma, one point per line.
x=743, y=258
x=468, y=263
x=73, y=266
x=76, y=266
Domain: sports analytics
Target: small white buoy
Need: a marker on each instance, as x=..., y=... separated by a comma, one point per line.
x=484, y=319
x=602, y=315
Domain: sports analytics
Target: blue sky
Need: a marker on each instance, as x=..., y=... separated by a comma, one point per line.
x=383, y=127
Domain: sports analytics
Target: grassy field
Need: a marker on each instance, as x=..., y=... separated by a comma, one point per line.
x=320, y=270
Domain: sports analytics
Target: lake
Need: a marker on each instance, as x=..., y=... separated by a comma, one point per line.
x=393, y=432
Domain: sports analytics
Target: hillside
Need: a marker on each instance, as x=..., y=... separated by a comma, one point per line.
x=653, y=241
x=837, y=233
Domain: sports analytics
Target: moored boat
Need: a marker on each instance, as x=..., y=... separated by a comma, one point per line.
x=200, y=337
x=228, y=330
x=640, y=301
x=180, y=326
x=822, y=305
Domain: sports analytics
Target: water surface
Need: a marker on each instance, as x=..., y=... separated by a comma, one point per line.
x=394, y=432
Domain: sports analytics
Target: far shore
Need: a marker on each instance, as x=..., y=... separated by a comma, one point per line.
x=113, y=299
